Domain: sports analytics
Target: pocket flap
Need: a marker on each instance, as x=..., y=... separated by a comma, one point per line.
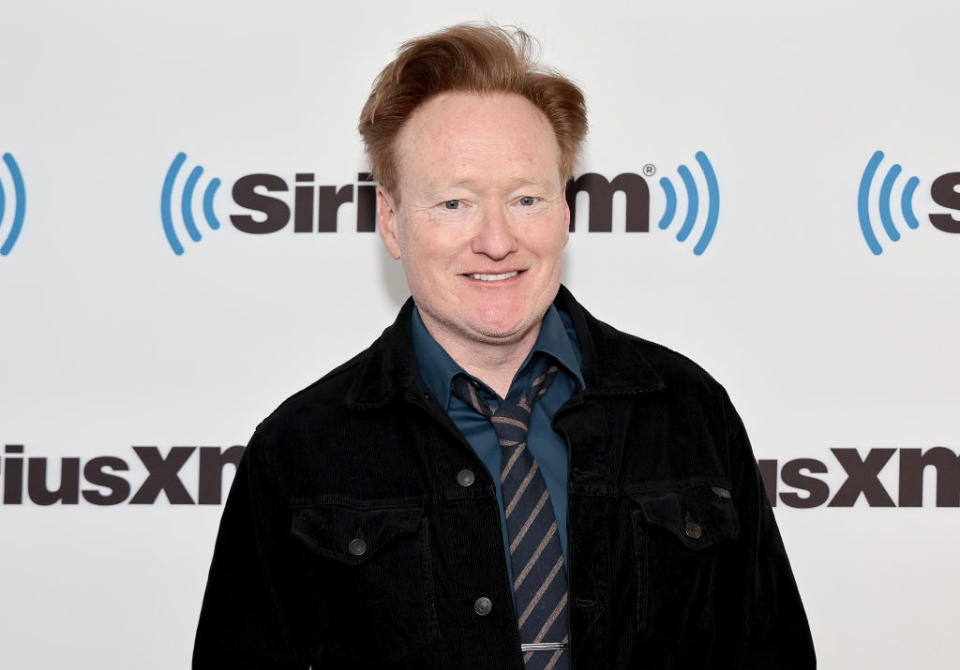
x=352, y=535
x=698, y=516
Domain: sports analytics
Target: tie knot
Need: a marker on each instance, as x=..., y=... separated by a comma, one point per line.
x=470, y=392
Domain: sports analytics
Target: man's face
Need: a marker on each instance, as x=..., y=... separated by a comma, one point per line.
x=482, y=219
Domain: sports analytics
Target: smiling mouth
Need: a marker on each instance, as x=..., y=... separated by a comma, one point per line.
x=494, y=277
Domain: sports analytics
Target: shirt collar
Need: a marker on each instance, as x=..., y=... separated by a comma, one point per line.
x=612, y=363
x=556, y=339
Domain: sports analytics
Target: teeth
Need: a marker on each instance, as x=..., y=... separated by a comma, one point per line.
x=482, y=277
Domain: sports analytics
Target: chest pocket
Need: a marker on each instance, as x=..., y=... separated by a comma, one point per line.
x=680, y=535
x=371, y=578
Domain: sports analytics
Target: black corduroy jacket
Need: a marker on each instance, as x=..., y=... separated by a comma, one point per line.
x=350, y=538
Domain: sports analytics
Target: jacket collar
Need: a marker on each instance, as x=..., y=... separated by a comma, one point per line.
x=612, y=361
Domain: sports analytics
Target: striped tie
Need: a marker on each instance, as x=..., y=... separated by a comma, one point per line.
x=539, y=573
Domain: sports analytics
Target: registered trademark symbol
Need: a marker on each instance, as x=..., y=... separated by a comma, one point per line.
x=649, y=170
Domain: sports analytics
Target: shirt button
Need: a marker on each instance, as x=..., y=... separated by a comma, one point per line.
x=357, y=546
x=482, y=606
x=693, y=530
x=465, y=478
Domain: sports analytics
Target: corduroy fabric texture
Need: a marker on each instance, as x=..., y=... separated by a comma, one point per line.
x=674, y=558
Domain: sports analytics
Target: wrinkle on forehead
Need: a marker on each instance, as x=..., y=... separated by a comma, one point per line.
x=456, y=140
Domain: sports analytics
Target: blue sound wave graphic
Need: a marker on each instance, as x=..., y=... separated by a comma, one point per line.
x=693, y=203
x=885, y=196
x=20, y=204
x=186, y=203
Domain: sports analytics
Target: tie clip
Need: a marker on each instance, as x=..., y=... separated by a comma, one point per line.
x=543, y=646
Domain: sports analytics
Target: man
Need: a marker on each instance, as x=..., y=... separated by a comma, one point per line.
x=500, y=480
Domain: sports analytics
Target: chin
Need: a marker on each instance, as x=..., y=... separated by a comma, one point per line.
x=504, y=329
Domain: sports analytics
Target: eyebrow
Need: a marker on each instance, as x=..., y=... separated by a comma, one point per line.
x=469, y=182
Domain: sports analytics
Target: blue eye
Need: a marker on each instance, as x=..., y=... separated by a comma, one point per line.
x=527, y=200
x=451, y=204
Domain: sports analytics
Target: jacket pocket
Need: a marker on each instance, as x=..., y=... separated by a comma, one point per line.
x=371, y=577
x=679, y=536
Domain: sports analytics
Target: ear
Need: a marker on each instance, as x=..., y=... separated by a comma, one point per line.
x=566, y=217
x=387, y=219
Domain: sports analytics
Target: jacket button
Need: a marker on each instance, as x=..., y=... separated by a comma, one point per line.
x=357, y=546
x=693, y=530
x=482, y=606
x=465, y=478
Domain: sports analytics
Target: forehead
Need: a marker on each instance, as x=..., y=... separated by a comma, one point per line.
x=461, y=136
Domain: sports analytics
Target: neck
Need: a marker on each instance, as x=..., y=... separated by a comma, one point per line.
x=493, y=363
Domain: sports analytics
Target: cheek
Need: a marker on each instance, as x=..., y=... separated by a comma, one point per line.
x=437, y=244
x=552, y=242
x=411, y=234
x=429, y=260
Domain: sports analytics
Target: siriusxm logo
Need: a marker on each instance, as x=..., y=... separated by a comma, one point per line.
x=186, y=203
x=101, y=480
x=814, y=483
x=637, y=193
x=195, y=475
x=943, y=190
x=10, y=226
x=314, y=208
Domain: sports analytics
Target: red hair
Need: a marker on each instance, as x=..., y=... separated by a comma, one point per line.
x=475, y=58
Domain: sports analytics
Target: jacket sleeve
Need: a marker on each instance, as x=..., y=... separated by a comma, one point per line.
x=773, y=629
x=245, y=617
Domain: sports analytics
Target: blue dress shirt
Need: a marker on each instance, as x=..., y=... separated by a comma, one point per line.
x=556, y=340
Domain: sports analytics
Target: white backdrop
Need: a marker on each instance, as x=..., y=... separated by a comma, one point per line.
x=110, y=340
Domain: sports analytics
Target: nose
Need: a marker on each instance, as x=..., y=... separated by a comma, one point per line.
x=495, y=236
